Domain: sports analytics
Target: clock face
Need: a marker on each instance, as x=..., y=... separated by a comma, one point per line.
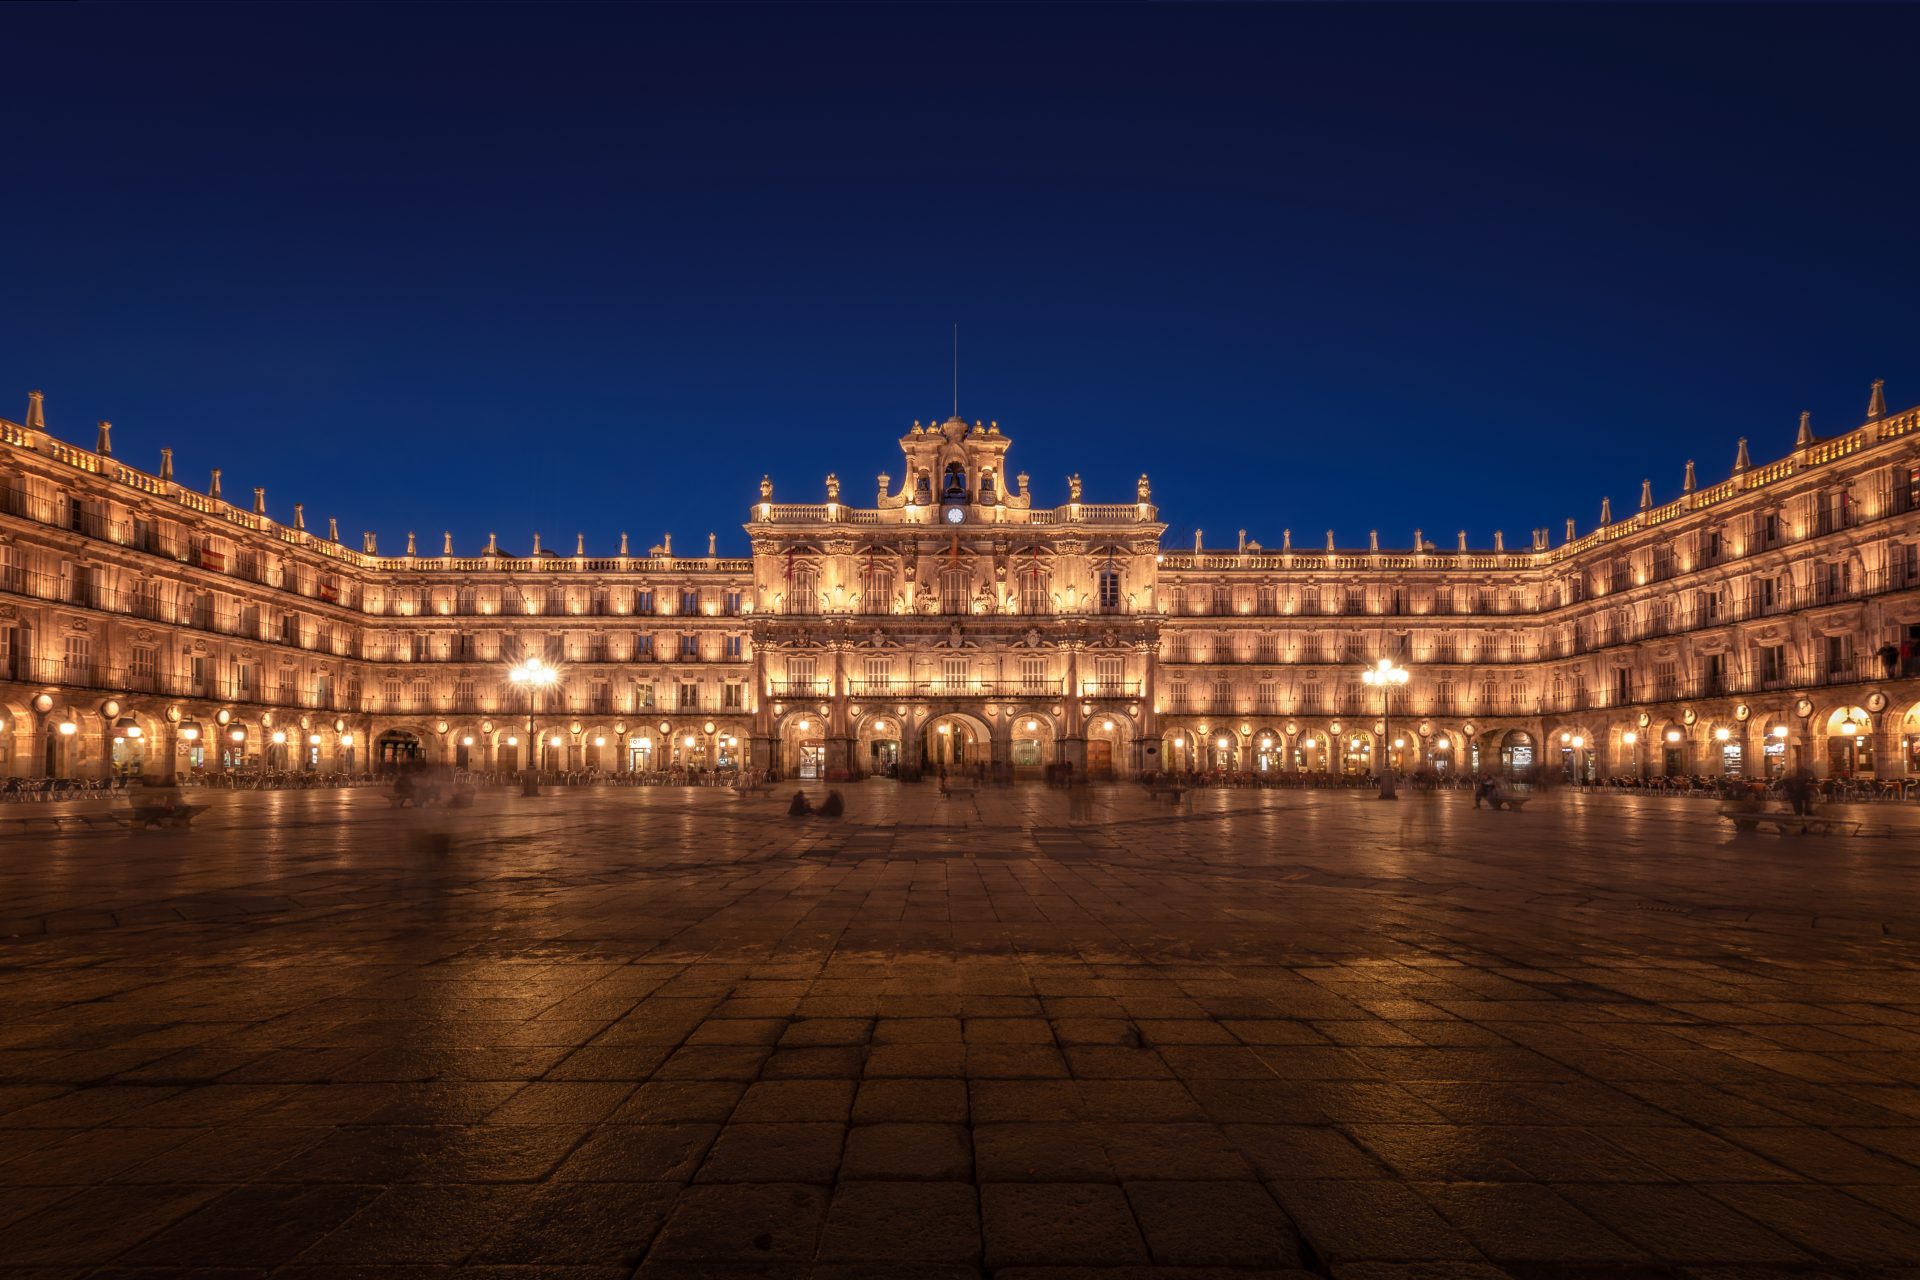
x=955, y=515
x=1803, y=708
x=1876, y=702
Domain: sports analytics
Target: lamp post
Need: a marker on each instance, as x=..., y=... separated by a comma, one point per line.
x=1386, y=677
x=532, y=675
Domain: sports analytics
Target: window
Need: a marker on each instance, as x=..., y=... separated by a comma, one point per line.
x=1109, y=588
x=1839, y=653
x=733, y=604
x=689, y=696
x=1222, y=695
x=77, y=665
x=1267, y=601
x=1109, y=673
x=879, y=674
x=954, y=589
x=1033, y=588
x=735, y=647
x=642, y=647
x=390, y=695
x=1309, y=599
x=463, y=696
x=643, y=695
x=145, y=663
x=689, y=647
x=733, y=696
x=1033, y=675
x=1769, y=529
x=643, y=602
x=953, y=673
x=1623, y=684
x=420, y=695
x=876, y=590
x=803, y=591
x=1773, y=664
x=689, y=602
x=1222, y=599
x=800, y=677
x=1665, y=683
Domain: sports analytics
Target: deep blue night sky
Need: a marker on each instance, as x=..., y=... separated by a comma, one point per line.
x=599, y=268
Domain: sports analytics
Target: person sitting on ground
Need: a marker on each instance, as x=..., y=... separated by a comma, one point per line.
x=800, y=808
x=833, y=806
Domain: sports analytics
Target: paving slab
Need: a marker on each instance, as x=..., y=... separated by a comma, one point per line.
x=669, y=1032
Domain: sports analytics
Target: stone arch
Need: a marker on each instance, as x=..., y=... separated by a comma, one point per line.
x=1313, y=749
x=1572, y=751
x=801, y=739
x=1516, y=752
x=879, y=738
x=1032, y=738
x=1846, y=741
x=16, y=738
x=1903, y=733
x=966, y=739
x=1355, y=749
x=1443, y=750
x=397, y=746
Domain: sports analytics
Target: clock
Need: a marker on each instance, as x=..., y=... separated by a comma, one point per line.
x=1803, y=708
x=1876, y=702
x=956, y=515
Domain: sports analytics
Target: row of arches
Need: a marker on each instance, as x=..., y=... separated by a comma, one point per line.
x=1020, y=743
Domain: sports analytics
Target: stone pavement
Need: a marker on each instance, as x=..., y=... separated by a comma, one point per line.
x=672, y=1033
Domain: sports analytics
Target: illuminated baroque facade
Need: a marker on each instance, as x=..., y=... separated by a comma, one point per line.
x=1766, y=620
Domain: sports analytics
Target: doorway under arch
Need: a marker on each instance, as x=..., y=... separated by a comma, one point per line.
x=398, y=749
x=957, y=741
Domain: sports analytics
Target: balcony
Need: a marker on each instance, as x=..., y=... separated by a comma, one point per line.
x=1109, y=689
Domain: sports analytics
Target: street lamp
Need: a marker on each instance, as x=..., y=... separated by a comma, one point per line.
x=533, y=675
x=1386, y=677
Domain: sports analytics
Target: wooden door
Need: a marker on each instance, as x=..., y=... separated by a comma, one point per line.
x=1099, y=758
